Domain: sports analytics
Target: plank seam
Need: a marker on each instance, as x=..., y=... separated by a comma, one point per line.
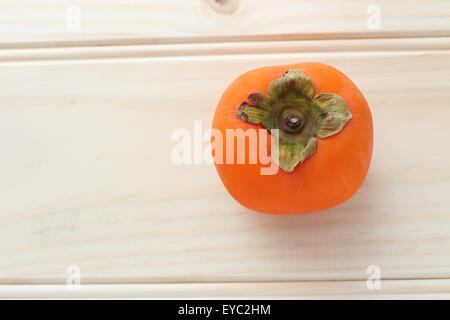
x=222, y=39
x=231, y=48
x=17, y=283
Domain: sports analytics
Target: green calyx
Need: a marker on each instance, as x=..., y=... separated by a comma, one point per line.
x=300, y=117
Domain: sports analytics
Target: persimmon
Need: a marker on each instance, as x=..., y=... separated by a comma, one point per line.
x=324, y=137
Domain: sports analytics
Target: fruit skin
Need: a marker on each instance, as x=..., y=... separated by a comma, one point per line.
x=329, y=177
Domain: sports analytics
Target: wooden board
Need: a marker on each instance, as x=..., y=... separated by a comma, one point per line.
x=54, y=22
x=391, y=289
x=87, y=181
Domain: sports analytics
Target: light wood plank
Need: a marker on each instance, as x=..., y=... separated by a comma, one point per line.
x=87, y=180
x=390, y=289
x=56, y=23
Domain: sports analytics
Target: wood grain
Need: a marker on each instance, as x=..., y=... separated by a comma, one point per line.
x=87, y=179
x=60, y=23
